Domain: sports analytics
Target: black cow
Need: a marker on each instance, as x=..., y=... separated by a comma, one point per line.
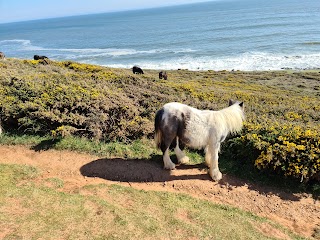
x=137, y=70
x=163, y=75
x=37, y=57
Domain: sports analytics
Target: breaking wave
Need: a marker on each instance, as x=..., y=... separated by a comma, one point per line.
x=244, y=62
x=26, y=45
x=166, y=58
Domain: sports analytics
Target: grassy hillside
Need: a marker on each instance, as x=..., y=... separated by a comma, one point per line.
x=63, y=99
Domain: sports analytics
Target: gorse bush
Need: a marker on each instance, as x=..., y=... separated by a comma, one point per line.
x=281, y=132
x=286, y=149
x=70, y=98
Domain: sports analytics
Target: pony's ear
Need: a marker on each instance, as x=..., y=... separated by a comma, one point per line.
x=231, y=102
x=241, y=104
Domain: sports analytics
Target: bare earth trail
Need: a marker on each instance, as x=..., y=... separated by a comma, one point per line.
x=298, y=212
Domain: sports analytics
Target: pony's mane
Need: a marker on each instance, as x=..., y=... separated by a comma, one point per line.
x=230, y=118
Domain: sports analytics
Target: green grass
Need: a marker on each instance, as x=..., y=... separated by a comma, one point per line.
x=142, y=148
x=30, y=209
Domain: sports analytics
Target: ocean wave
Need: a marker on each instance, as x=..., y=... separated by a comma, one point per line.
x=97, y=52
x=244, y=62
x=20, y=44
x=18, y=41
x=166, y=58
x=26, y=45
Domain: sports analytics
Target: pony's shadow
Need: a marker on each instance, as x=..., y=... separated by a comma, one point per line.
x=46, y=145
x=151, y=170
x=136, y=170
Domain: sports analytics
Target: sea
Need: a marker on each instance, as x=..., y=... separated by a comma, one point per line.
x=244, y=35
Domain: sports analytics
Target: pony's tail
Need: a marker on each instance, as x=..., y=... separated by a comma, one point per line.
x=157, y=123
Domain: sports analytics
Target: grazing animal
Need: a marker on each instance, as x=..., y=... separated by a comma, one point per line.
x=44, y=59
x=178, y=125
x=37, y=57
x=160, y=75
x=2, y=56
x=163, y=75
x=137, y=70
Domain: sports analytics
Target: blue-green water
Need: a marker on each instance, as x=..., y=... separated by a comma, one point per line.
x=225, y=34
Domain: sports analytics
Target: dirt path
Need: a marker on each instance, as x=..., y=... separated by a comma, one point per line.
x=298, y=212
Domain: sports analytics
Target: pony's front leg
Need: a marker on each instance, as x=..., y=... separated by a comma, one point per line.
x=168, y=164
x=214, y=171
x=207, y=157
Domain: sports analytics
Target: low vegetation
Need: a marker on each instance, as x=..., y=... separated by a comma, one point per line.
x=62, y=99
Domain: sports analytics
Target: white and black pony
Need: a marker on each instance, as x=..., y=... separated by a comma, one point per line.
x=178, y=125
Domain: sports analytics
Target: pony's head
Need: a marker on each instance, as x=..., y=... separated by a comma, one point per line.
x=232, y=102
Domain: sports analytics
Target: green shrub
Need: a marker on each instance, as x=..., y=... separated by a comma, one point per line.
x=287, y=149
x=67, y=98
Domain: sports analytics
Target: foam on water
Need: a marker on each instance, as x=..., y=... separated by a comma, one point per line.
x=148, y=59
x=244, y=62
x=26, y=45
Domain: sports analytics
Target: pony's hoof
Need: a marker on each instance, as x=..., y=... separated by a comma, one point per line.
x=216, y=175
x=184, y=160
x=170, y=166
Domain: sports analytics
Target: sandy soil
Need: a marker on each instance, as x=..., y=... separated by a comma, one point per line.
x=298, y=212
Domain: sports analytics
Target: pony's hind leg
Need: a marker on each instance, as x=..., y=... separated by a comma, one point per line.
x=169, y=131
x=168, y=164
x=165, y=145
x=182, y=158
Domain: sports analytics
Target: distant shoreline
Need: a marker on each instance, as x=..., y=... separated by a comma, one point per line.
x=181, y=69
